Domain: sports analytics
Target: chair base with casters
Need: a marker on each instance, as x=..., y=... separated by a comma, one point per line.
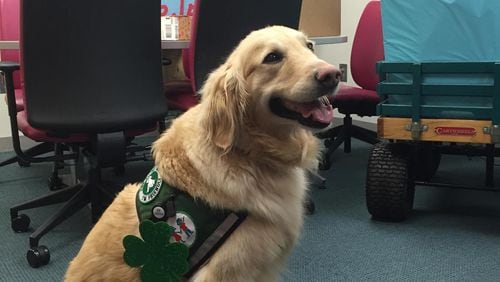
x=107, y=151
x=342, y=135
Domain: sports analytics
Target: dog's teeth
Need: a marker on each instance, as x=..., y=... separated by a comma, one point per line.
x=324, y=101
x=321, y=101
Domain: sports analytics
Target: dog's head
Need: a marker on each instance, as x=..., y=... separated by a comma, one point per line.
x=272, y=81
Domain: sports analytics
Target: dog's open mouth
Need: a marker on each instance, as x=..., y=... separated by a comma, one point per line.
x=315, y=114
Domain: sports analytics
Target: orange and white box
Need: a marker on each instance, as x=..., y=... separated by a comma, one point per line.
x=169, y=28
x=176, y=28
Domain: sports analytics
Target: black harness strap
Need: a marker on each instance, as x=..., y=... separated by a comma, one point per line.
x=214, y=241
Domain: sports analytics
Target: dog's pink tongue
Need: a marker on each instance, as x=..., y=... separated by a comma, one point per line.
x=317, y=111
x=323, y=114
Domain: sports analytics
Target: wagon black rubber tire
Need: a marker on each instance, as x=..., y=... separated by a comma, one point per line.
x=390, y=186
x=427, y=160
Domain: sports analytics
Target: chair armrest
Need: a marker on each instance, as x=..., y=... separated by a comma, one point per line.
x=8, y=69
x=6, y=66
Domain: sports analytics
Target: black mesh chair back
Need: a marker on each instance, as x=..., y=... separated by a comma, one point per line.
x=220, y=25
x=91, y=66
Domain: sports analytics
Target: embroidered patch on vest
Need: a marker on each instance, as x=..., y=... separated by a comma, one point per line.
x=151, y=187
x=184, y=229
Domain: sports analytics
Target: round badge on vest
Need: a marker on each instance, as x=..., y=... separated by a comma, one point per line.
x=184, y=229
x=151, y=187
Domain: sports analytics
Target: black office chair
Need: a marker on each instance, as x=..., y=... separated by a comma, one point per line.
x=220, y=25
x=92, y=71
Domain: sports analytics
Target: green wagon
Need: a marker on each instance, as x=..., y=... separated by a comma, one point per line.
x=425, y=111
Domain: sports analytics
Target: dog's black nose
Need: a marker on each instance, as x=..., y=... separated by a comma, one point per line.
x=328, y=75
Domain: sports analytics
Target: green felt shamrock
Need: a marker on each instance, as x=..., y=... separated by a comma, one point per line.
x=159, y=259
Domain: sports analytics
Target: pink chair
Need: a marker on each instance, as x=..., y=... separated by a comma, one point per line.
x=9, y=31
x=367, y=50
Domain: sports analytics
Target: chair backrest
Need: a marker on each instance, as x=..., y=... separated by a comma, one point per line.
x=92, y=66
x=219, y=25
x=367, y=47
x=9, y=31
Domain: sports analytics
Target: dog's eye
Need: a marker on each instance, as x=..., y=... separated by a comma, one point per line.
x=310, y=46
x=272, y=58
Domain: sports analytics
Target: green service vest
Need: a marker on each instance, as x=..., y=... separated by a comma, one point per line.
x=200, y=227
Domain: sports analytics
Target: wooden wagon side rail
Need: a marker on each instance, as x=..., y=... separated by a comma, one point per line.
x=415, y=118
x=444, y=130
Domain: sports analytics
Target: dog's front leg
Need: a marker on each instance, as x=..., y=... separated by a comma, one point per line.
x=254, y=252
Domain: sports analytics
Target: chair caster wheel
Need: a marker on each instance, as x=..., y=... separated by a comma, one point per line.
x=21, y=223
x=328, y=142
x=325, y=164
x=38, y=256
x=310, y=207
x=22, y=163
x=55, y=183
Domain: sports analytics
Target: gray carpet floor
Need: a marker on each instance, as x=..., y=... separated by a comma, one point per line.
x=453, y=235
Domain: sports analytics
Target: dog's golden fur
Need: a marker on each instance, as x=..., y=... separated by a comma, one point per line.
x=232, y=152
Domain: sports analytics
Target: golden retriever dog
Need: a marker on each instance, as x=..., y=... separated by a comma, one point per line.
x=245, y=147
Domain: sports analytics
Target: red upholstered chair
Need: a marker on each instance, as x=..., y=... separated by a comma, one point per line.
x=9, y=31
x=367, y=50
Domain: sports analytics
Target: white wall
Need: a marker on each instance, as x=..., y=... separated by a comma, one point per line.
x=334, y=54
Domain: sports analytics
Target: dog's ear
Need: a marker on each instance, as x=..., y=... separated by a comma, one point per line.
x=225, y=96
